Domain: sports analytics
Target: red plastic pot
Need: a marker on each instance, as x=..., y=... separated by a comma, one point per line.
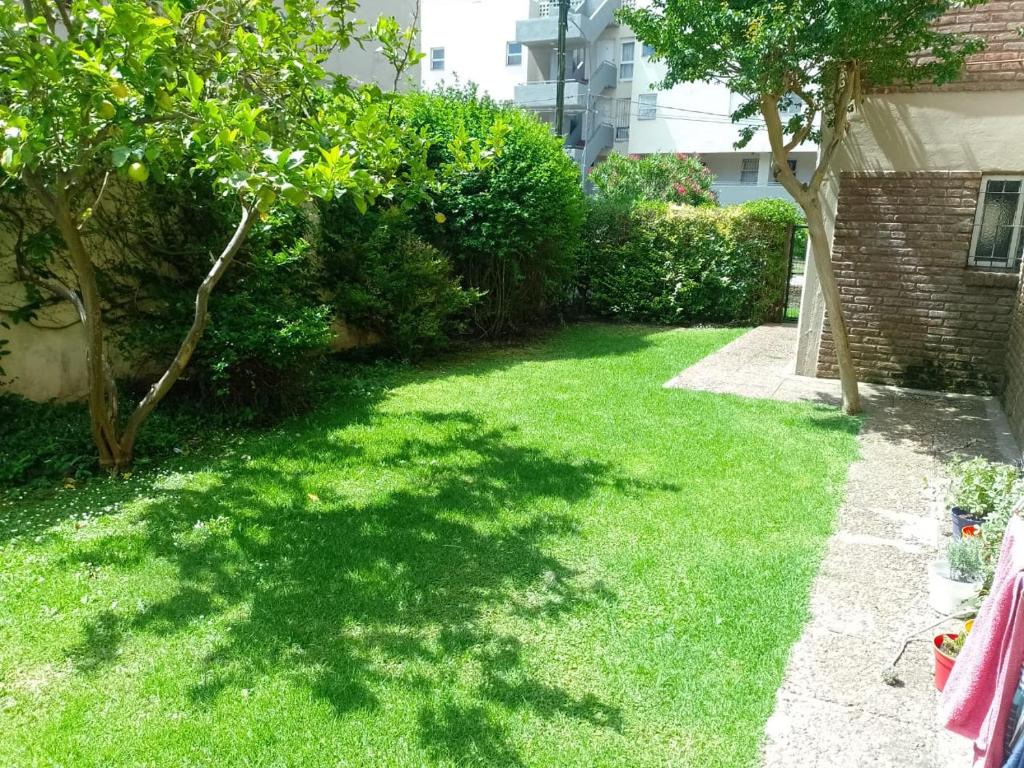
x=943, y=663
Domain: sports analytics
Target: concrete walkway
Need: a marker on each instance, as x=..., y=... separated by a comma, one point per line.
x=833, y=708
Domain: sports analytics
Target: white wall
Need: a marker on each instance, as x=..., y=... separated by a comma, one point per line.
x=692, y=117
x=473, y=34
x=365, y=65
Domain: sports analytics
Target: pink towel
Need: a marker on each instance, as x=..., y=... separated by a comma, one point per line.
x=977, y=697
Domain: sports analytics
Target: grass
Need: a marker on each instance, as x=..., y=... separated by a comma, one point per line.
x=525, y=557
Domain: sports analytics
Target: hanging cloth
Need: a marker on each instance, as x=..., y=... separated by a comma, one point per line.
x=978, y=697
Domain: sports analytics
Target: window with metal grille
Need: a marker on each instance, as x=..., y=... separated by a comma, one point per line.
x=622, y=119
x=775, y=174
x=648, y=103
x=437, y=59
x=626, y=60
x=513, y=54
x=750, y=169
x=996, y=242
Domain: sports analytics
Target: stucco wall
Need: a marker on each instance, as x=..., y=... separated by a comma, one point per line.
x=366, y=65
x=474, y=34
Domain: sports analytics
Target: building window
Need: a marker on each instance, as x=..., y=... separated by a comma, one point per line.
x=626, y=60
x=437, y=59
x=775, y=174
x=513, y=54
x=996, y=243
x=648, y=106
x=647, y=51
x=622, y=110
x=750, y=169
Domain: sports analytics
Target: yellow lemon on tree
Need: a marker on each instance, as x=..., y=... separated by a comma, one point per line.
x=119, y=90
x=107, y=110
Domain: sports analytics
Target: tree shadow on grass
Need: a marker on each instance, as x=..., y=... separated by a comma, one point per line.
x=360, y=386
x=347, y=589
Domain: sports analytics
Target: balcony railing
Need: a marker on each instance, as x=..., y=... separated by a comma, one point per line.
x=547, y=8
x=541, y=95
x=587, y=20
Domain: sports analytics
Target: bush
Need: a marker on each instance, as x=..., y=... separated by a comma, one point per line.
x=678, y=179
x=679, y=265
x=512, y=229
x=48, y=442
x=43, y=440
x=269, y=314
x=388, y=280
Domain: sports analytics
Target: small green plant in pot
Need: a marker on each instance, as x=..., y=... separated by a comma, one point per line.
x=980, y=488
x=957, y=578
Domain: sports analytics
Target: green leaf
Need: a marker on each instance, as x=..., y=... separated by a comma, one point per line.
x=120, y=155
x=195, y=84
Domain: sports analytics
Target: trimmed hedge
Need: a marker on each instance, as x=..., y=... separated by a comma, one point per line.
x=682, y=265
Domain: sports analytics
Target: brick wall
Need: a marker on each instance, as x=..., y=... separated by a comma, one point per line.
x=917, y=316
x=1013, y=395
x=1001, y=65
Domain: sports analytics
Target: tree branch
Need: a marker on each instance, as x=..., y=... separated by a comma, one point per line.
x=160, y=389
x=781, y=150
x=26, y=274
x=840, y=123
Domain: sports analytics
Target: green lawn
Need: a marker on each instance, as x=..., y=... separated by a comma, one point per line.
x=528, y=557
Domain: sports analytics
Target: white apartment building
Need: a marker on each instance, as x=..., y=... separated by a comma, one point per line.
x=474, y=41
x=612, y=102
x=364, y=64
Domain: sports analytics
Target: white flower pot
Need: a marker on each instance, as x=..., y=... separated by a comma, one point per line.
x=947, y=595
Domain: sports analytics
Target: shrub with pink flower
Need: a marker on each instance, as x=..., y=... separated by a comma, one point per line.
x=680, y=178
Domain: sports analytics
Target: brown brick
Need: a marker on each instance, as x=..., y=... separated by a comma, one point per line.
x=911, y=304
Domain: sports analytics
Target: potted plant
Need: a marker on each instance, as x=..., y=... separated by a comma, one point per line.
x=947, y=647
x=956, y=578
x=979, y=488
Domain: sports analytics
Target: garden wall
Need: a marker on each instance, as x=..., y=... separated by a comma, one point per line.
x=918, y=316
x=1013, y=394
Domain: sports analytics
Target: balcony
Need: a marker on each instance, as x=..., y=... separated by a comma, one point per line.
x=540, y=96
x=587, y=20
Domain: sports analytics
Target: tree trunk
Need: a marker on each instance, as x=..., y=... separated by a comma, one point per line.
x=102, y=388
x=808, y=196
x=822, y=255
x=116, y=447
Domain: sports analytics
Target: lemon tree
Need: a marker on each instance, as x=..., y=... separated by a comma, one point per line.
x=93, y=92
